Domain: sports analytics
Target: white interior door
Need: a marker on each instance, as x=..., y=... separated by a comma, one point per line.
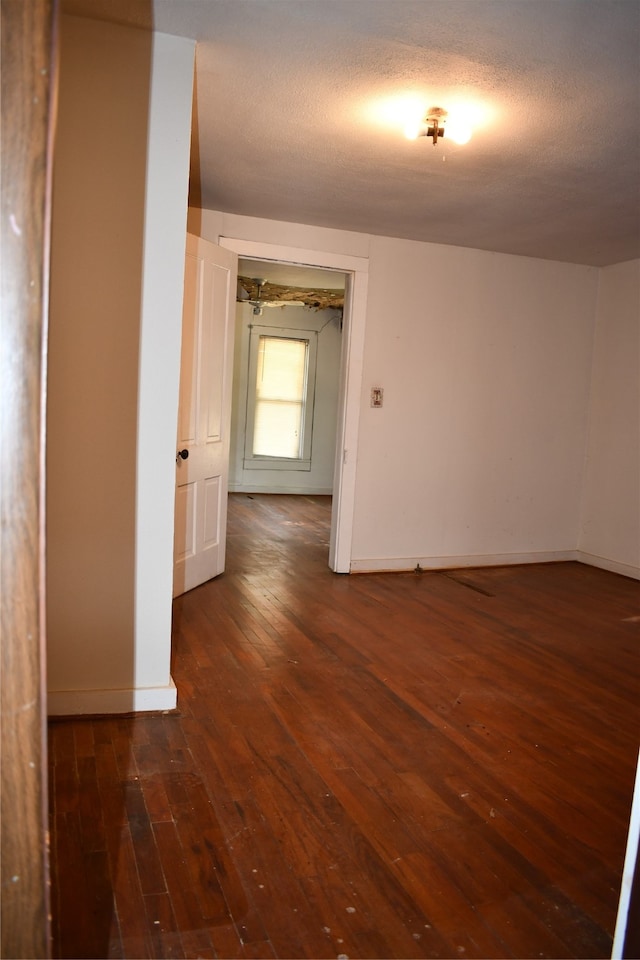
x=204, y=414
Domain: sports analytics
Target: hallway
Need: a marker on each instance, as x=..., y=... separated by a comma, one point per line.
x=390, y=765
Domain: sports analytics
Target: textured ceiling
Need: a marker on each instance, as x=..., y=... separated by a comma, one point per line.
x=296, y=116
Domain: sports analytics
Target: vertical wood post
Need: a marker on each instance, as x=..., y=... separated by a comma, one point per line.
x=27, y=86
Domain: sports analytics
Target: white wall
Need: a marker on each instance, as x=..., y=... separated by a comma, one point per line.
x=610, y=528
x=319, y=479
x=169, y=148
x=212, y=224
x=118, y=232
x=477, y=454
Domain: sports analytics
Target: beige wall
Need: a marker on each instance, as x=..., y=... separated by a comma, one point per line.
x=610, y=528
x=96, y=276
x=101, y=268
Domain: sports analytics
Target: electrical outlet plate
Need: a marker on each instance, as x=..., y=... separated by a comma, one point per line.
x=376, y=396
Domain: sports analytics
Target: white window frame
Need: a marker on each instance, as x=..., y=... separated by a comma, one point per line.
x=252, y=461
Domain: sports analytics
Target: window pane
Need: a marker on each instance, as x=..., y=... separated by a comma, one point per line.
x=281, y=369
x=277, y=429
x=280, y=385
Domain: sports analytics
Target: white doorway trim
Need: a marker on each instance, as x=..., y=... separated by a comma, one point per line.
x=357, y=270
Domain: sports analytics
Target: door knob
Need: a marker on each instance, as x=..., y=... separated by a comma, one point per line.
x=182, y=454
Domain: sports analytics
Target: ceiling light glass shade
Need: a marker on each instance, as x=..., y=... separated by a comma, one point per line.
x=463, y=117
x=413, y=129
x=459, y=131
x=455, y=124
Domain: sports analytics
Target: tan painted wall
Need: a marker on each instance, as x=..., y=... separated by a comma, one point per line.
x=116, y=170
x=96, y=278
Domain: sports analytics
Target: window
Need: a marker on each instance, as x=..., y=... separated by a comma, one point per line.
x=280, y=393
x=280, y=399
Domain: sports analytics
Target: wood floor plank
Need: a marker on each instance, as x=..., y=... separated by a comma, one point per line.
x=82, y=902
x=407, y=765
x=165, y=932
x=522, y=927
x=135, y=931
x=65, y=786
x=84, y=742
x=203, y=879
x=155, y=798
x=186, y=906
x=62, y=745
x=106, y=763
x=91, y=816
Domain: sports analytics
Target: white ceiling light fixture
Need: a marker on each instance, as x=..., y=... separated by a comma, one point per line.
x=438, y=120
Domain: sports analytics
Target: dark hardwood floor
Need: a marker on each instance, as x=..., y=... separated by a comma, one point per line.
x=390, y=765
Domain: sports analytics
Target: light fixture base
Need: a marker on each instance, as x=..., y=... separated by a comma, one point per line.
x=435, y=120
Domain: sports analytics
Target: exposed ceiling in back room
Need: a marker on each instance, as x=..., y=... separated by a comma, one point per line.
x=301, y=106
x=283, y=283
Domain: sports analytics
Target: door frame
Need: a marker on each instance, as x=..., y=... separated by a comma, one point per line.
x=29, y=87
x=344, y=475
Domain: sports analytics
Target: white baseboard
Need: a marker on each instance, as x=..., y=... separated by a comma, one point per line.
x=626, y=569
x=275, y=488
x=70, y=703
x=400, y=564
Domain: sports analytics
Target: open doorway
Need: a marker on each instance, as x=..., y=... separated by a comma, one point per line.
x=286, y=379
x=353, y=271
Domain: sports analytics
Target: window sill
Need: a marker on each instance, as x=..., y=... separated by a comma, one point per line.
x=275, y=463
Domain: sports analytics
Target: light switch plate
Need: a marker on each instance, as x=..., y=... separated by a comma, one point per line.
x=376, y=396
